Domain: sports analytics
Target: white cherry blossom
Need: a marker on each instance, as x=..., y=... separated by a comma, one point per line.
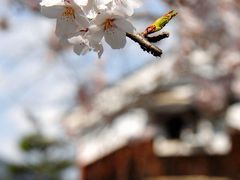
x=112, y=27
x=69, y=15
x=84, y=23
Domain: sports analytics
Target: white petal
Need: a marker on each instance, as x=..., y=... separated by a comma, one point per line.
x=101, y=18
x=81, y=21
x=136, y=3
x=124, y=25
x=81, y=49
x=66, y=28
x=77, y=40
x=100, y=2
x=95, y=34
x=90, y=12
x=94, y=28
x=99, y=49
x=81, y=2
x=77, y=8
x=52, y=3
x=90, y=9
x=124, y=6
x=100, y=52
x=116, y=38
x=53, y=11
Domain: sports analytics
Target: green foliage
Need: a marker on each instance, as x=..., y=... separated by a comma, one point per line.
x=44, y=170
x=44, y=167
x=36, y=142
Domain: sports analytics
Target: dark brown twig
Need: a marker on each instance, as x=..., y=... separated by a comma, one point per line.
x=146, y=44
x=145, y=41
x=159, y=37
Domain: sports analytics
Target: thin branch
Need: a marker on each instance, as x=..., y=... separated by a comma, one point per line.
x=145, y=41
x=159, y=37
x=146, y=44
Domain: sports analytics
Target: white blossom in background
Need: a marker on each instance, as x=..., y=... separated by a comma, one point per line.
x=84, y=23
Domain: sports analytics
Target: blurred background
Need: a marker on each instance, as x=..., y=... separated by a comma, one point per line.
x=128, y=116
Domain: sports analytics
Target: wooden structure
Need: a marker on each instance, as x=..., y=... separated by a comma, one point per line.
x=137, y=161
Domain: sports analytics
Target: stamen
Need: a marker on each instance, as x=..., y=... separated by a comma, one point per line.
x=108, y=24
x=69, y=12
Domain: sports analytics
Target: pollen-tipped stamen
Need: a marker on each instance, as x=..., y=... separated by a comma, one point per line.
x=108, y=24
x=69, y=12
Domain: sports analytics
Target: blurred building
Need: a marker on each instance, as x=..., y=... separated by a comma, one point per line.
x=137, y=132
x=137, y=160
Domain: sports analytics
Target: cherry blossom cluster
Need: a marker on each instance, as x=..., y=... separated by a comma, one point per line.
x=84, y=23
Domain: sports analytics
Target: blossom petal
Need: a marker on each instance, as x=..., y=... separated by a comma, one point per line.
x=99, y=49
x=89, y=8
x=124, y=6
x=66, y=28
x=95, y=34
x=81, y=2
x=81, y=49
x=81, y=21
x=52, y=9
x=101, y=18
x=124, y=25
x=78, y=39
x=50, y=3
x=99, y=2
x=77, y=8
x=136, y=3
x=116, y=38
